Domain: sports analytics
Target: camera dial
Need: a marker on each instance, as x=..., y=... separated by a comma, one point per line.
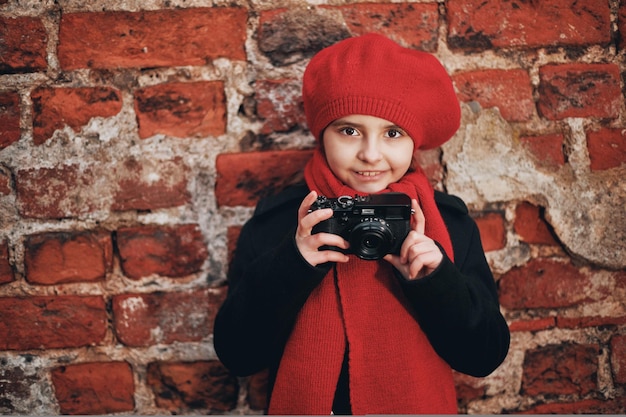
x=345, y=201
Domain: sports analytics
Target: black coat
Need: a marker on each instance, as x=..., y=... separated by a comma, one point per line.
x=269, y=281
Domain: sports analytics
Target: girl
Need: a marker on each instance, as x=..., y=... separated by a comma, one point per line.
x=351, y=336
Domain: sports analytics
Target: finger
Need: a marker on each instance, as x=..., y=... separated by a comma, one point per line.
x=418, y=217
x=310, y=220
x=394, y=260
x=330, y=256
x=415, y=267
x=306, y=220
x=424, y=258
x=397, y=263
x=411, y=239
x=315, y=257
x=327, y=239
x=306, y=204
x=326, y=255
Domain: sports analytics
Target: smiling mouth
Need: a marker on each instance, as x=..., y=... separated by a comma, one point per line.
x=368, y=173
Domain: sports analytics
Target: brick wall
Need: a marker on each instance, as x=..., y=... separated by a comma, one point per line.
x=135, y=138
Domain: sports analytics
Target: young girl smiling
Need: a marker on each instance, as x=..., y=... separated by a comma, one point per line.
x=346, y=335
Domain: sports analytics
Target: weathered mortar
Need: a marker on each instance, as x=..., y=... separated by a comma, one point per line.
x=486, y=164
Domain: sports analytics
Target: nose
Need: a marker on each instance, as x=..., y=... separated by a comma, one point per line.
x=370, y=150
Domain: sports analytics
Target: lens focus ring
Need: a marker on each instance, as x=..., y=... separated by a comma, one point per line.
x=371, y=239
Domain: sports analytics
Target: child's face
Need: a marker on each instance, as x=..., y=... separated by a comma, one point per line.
x=367, y=153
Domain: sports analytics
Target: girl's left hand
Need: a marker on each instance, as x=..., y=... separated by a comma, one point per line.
x=419, y=255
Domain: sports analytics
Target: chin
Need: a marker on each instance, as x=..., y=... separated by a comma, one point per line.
x=369, y=190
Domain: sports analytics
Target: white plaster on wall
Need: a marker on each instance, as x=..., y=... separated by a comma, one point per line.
x=486, y=164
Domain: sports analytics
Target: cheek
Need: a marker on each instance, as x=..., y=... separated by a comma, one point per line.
x=403, y=156
x=334, y=157
x=337, y=149
x=336, y=161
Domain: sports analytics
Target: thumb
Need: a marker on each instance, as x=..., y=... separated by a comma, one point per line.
x=393, y=260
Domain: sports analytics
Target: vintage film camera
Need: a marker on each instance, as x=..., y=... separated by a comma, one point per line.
x=374, y=225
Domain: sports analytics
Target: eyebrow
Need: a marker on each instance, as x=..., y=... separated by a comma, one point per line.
x=349, y=122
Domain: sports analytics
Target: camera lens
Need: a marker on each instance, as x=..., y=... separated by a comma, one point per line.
x=372, y=242
x=371, y=239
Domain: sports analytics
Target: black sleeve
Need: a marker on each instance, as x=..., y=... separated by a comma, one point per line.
x=457, y=305
x=269, y=282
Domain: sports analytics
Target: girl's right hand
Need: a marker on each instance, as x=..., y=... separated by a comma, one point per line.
x=308, y=244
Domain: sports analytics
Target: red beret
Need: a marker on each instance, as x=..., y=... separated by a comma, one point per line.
x=375, y=76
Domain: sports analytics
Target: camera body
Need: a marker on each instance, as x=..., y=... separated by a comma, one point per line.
x=374, y=224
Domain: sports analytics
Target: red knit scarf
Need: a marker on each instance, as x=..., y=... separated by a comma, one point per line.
x=392, y=366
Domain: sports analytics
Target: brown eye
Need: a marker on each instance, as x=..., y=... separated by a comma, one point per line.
x=394, y=133
x=350, y=131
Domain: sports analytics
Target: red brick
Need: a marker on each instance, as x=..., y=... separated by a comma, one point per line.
x=607, y=148
x=546, y=283
x=9, y=118
x=547, y=149
x=51, y=322
x=54, y=193
x=618, y=358
x=181, y=109
x=54, y=108
x=410, y=24
x=244, y=178
x=174, y=251
x=186, y=386
x=151, y=38
x=508, y=90
x=492, y=232
x=279, y=105
x=71, y=190
x=290, y=35
x=257, y=390
x=530, y=225
x=468, y=388
x=165, y=317
x=589, y=406
x=480, y=24
x=593, y=321
x=24, y=41
x=94, y=388
x=232, y=235
x=6, y=271
x=579, y=90
x=532, y=325
x=150, y=184
x=62, y=257
x=563, y=369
